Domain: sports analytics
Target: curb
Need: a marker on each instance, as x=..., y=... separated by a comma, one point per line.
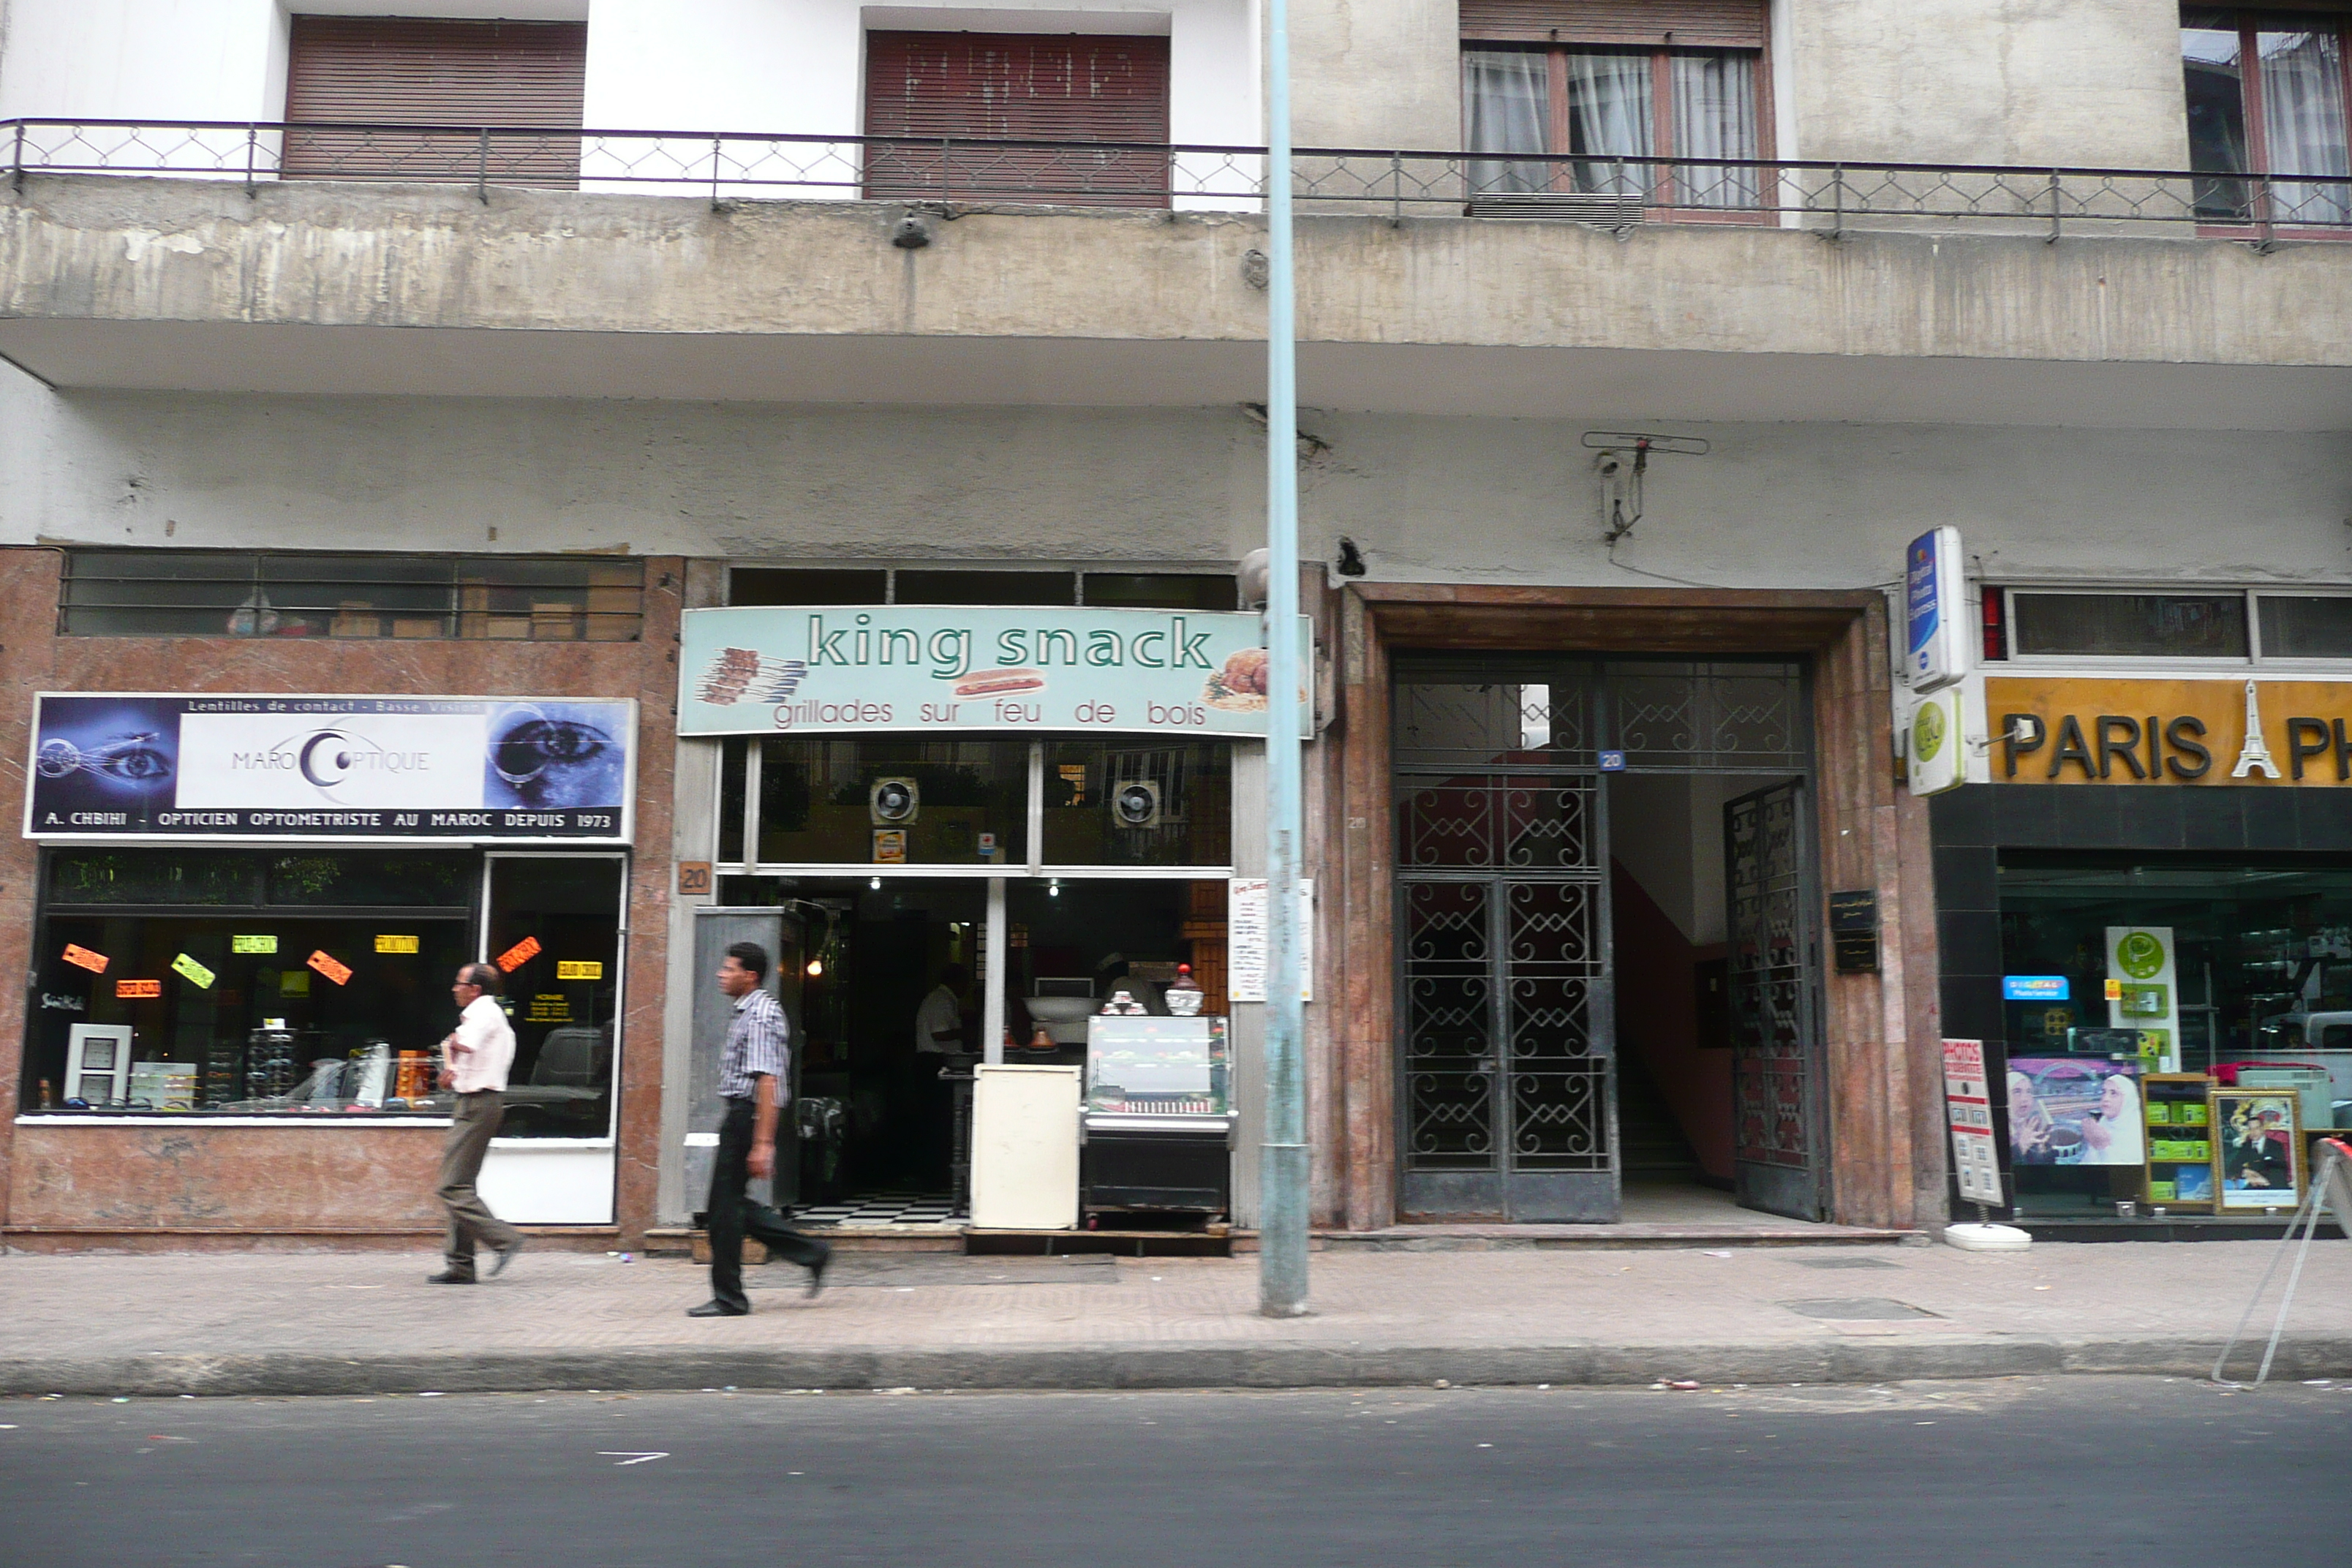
x=1103, y=1367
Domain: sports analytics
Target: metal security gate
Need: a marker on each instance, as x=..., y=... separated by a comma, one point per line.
x=1503, y=922
x=1505, y=1005
x=1776, y=1066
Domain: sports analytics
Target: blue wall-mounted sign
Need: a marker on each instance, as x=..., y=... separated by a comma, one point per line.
x=2033, y=988
x=1935, y=605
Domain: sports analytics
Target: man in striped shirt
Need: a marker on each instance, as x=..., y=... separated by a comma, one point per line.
x=752, y=1081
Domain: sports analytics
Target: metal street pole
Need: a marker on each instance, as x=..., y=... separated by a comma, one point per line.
x=1282, y=1189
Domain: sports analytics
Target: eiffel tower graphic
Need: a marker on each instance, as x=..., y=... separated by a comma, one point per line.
x=2255, y=756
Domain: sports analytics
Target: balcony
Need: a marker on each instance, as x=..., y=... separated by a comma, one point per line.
x=488, y=261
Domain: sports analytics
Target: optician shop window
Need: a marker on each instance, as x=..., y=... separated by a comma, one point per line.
x=308, y=982
x=2214, y=965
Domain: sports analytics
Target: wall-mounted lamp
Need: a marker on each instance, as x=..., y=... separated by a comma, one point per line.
x=1351, y=560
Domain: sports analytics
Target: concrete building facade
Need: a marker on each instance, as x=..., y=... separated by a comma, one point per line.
x=1595, y=746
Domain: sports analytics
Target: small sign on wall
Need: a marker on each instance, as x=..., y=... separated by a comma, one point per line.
x=1936, y=748
x=1853, y=931
x=693, y=879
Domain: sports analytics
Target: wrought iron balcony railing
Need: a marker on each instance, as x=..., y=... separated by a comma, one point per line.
x=1614, y=191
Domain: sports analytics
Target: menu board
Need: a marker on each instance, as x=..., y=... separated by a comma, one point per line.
x=1160, y=1067
x=1246, y=937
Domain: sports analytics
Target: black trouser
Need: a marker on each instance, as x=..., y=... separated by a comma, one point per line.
x=733, y=1215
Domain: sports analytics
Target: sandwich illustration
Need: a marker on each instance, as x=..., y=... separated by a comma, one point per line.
x=999, y=682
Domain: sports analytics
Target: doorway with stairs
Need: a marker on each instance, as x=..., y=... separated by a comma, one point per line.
x=1603, y=993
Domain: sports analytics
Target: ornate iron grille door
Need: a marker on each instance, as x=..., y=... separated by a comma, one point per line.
x=1509, y=1106
x=1777, y=1142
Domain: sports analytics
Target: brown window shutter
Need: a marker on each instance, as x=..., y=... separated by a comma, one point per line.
x=1654, y=24
x=380, y=70
x=1018, y=86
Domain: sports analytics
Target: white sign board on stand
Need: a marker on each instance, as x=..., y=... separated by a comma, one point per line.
x=1968, y=1104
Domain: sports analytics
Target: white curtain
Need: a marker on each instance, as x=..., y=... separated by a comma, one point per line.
x=1715, y=117
x=1609, y=115
x=1505, y=93
x=2303, y=121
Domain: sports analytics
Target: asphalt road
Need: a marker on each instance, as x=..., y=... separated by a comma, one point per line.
x=2018, y=1471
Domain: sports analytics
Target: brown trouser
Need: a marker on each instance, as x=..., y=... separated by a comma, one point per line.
x=471, y=1127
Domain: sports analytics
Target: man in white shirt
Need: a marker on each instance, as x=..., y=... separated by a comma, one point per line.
x=475, y=1059
x=938, y=1022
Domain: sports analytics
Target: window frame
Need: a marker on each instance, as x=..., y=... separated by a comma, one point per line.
x=2249, y=22
x=889, y=571
x=2186, y=664
x=1660, y=205
x=589, y=619
x=1034, y=866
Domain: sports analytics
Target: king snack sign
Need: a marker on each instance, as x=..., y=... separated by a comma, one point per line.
x=930, y=668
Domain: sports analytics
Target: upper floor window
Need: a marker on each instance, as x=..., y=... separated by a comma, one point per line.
x=967, y=585
x=2267, y=92
x=1084, y=92
x=510, y=598
x=2229, y=623
x=513, y=78
x=1614, y=90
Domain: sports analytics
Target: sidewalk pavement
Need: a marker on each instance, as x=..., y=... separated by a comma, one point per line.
x=367, y=1322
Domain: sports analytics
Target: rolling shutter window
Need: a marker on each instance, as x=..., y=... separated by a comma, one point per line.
x=374, y=71
x=1018, y=86
x=1657, y=24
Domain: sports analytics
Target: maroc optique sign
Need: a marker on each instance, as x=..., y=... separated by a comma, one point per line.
x=908, y=667
x=149, y=766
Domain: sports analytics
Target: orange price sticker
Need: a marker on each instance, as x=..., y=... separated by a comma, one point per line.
x=331, y=967
x=517, y=955
x=128, y=990
x=83, y=957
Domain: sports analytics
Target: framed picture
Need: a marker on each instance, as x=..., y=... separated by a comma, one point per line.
x=2257, y=1148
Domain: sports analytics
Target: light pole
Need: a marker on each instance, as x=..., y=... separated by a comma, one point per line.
x=1282, y=1178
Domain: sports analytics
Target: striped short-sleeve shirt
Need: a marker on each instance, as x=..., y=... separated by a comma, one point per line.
x=756, y=1044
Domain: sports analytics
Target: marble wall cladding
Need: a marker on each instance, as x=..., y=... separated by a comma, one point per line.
x=146, y=1175
x=38, y=1183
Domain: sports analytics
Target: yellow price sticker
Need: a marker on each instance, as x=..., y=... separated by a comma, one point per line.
x=580, y=969
x=395, y=944
x=263, y=944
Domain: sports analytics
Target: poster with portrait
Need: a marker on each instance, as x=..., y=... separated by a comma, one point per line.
x=2257, y=1148
x=2075, y=1110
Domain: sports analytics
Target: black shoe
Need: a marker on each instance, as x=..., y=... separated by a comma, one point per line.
x=816, y=1271
x=449, y=1276
x=506, y=1255
x=716, y=1310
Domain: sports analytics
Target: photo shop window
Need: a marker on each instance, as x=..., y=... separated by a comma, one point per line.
x=2215, y=962
x=1628, y=103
